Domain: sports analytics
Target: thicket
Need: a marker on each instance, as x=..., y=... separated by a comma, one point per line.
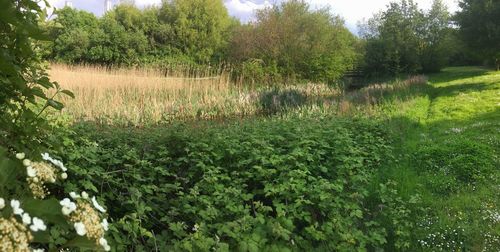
x=290, y=40
x=479, y=28
x=294, y=41
x=273, y=185
x=177, y=31
x=406, y=39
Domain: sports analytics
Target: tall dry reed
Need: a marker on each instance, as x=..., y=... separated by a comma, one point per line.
x=150, y=96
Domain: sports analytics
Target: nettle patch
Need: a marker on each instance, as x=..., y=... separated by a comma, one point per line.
x=275, y=185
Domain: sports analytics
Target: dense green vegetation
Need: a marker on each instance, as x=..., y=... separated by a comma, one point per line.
x=289, y=41
x=406, y=165
x=405, y=39
x=281, y=185
x=480, y=28
x=31, y=185
x=420, y=173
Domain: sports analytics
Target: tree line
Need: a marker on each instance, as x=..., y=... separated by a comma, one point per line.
x=287, y=40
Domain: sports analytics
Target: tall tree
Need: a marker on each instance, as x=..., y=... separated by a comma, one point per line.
x=406, y=39
x=72, y=33
x=479, y=22
x=437, y=38
x=198, y=26
x=311, y=44
x=394, y=46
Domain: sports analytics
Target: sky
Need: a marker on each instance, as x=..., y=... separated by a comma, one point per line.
x=351, y=10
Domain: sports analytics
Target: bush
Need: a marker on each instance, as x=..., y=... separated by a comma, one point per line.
x=265, y=185
x=31, y=216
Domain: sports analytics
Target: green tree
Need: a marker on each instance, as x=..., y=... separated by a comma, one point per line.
x=198, y=26
x=395, y=45
x=300, y=42
x=72, y=31
x=406, y=39
x=437, y=36
x=479, y=22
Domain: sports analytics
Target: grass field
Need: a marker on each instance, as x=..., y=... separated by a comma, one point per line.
x=448, y=145
x=410, y=165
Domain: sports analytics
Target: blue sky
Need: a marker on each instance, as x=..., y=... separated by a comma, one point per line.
x=351, y=10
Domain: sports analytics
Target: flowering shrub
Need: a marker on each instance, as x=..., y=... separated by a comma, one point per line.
x=31, y=219
x=86, y=215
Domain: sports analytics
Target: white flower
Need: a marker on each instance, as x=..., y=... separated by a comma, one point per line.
x=68, y=206
x=2, y=203
x=31, y=171
x=74, y=195
x=80, y=228
x=26, y=162
x=38, y=250
x=107, y=248
x=103, y=242
x=20, y=156
x=85, y=195
x=64, y=175
x=26, y=219
x=18, y=211
x=66, y=211
x=97, y=206
x=38, y=225
x=15, y=204
x=105, y=224
x=46, y=157
x=65, y=202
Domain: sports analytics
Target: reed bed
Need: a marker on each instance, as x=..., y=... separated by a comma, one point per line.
x=151, y=96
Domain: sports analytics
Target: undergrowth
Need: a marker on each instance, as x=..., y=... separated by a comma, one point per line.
x=407, y=167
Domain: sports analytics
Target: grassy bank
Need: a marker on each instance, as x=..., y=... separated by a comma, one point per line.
x=447, y=143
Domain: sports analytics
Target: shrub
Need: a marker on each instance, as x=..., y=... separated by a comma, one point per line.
x=31, y=217
x=277, y=185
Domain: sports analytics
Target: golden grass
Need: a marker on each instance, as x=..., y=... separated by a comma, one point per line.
x=150, y=96
x=147, y=96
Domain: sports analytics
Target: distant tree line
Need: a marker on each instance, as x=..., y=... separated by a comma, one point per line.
x=288, y=40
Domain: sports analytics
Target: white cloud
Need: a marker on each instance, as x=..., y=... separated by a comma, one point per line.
x=244, y=9
x=355, y=10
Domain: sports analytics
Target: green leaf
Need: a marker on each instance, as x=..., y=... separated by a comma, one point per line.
x=82, y=243
x=68, y=93
x=47, y=210
x=55, y=104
